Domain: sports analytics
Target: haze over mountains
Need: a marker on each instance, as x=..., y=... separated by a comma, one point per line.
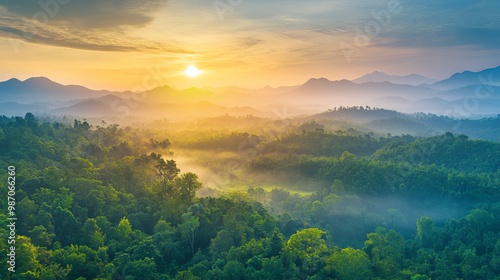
x=463, y=95
x=412, y=79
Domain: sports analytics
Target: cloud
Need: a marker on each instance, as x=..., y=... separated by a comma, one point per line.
x=97, y=14
x=442, y=4
x=429, y=24
x=480, y=38
x=476, y=26
x=98, y=25
x=33, y=32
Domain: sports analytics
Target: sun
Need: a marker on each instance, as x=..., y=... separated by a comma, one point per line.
x=192, y=71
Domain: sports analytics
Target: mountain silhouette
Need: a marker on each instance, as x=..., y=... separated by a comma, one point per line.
x=41, y=89
x=316, y=94
x=489, y=76
x=412, y=79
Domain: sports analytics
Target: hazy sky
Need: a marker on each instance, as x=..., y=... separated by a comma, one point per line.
x=123, y=44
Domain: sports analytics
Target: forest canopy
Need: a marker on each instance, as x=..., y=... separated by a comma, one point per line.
x=106, y=202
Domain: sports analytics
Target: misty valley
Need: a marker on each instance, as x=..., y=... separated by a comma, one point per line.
x=249, y=140
x=381, y=177
x=347, y=193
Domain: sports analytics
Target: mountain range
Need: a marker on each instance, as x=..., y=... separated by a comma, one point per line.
x=412, y=79
x=464, y=94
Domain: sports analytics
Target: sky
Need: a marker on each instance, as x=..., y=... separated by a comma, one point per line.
x=141, y=44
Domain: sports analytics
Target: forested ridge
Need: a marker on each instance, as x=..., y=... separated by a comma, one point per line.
x=105, y=202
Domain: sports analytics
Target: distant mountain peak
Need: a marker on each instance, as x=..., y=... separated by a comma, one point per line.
x=377, y=73
x=164, y=88
x=380, y=77
x=39, y=79
x=470, y=78
x=12, y=80
x=317, y=80
x=317, y=83
x=42, y=89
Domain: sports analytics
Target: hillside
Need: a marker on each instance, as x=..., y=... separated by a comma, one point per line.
x=101, y=202
x=455, y=152
x=452, y=97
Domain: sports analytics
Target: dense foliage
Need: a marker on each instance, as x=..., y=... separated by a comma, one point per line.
x=101, y=202
x=455, y=152
x=389, y=121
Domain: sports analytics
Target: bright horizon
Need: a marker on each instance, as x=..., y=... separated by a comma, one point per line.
x=120, y=46
x=193, y=78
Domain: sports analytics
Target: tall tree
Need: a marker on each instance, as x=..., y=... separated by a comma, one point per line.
x=349, y=264
x=425, y=231
x=189, y=228
x=307, y=249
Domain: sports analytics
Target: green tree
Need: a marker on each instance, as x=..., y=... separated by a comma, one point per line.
x=54, y=271
x=31, y=120
x=425, y=231
x=307, y=249
x=142, y=269
x=233, y=270
x=386, y=251
x=186, y=186
x=337, y=187
x=276, y=243
x=169, y=249
x=40, y=236
x=271, y=269
x=123, y=230
x=26, y=258
x=349, y=264
x=167, y=170
x=222, y=242
x=66, y=226
x=189, y=227
x=26, y=213
x=74, y=258
x=92, y=235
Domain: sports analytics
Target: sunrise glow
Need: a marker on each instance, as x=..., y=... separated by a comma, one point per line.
x=192, y=71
